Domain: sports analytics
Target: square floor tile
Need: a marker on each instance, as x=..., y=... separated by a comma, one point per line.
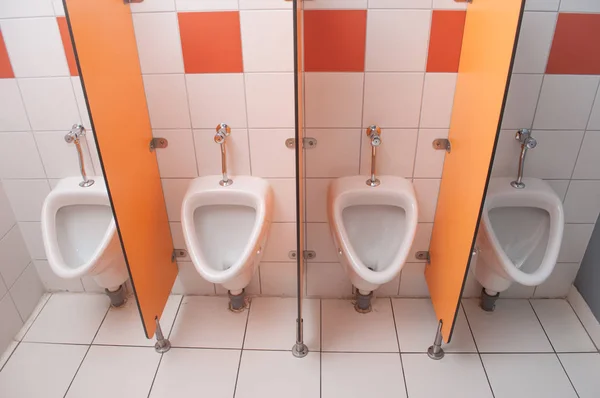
x=206, y=322
x=69, y=318
x=583, y=370
x=123, y=326
x=455, y=376
x=527, y=375
x=276, y=374
x=345, y=375
x=40, y=370
x=565, y=331
x=416, y=325
x=272, y=323
x=512, y=327
x=344, y=329
x=108, y=370
x=185, y=372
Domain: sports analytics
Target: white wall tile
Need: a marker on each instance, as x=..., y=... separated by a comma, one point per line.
x=14, y=256
x=282, y=239
x=316, y=199
x=582, y=203
x=59, y=157
x=429, y=162
x=32, y=235
x=566, y=101
x=189, y=281
x=427, y=195
x=27, y=198
x=34, y=47
x=397, y=40
x=588, y=161
x=94, y=155
x=27, y=291
x=174, y=191
x=542, y=5
x=178, y=160
x=393, y=99
x=319, y=161
x=506, y=157
x=579, y=6
x=518, y=291
x=208, y=153
x=11, y=321
x=319, y=239
x=7, y=216
x=25, y=8
x=284, y=190
x=153, y=6
x=3, y=290
x=412, y=281
x=216, y=98
x=12, y=110
x=560, y=187
x=179, y=240
x=50, y=103
x=333, y=99
x=395, y=155
x=554, y=156
x=58, y=7
x=84, y=117
x=389, y=289
x=449, y=5
x=594, y=122
x=158, y=42
x=559, y=282
x=279, y=279
x=266, y=41
x=328, y=280
x=167, y=101
x=438, y=98
x=421, y=241
x=264, y=4
x=522, y=100
x=269, y=155
x=19, y=156
x=253, y=288
x=535, y=39
x=270, y=100
x=575, y=240
x=334, y=4
x=400, y=3
x=206, y=5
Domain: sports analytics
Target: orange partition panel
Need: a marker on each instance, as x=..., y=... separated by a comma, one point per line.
x=489, y=42
x=107, y=58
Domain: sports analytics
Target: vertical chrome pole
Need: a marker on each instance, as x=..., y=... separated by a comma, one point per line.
x=374, y=134
x=373, y=164
x=162, y=344
x=224, y=163
x=223, y=131
x=74, y=136
x=435, y=351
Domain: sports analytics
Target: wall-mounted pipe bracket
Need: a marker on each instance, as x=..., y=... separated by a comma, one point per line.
x=442, y=144
x=158, y=143
x=178, y=253
x=308, y=254
x=423, y=256
x=307, y=143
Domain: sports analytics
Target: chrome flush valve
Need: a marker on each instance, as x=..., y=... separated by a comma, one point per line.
x=525, y=138
x=374, y=133
x=223, y=131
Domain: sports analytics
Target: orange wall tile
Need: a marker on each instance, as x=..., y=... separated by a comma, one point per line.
x=67, y=44
x=446, y=41
x=6, y=71
x=211, y=42
x=576, y=45
x=334, y=40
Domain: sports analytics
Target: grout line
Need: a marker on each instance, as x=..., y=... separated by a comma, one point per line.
x=582, y=325
x=237, y=376
x=191, y=128
x=477, y=349
x=399, y=349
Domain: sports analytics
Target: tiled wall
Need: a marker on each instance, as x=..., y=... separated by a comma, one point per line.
x=20, y=286
x=386, y=62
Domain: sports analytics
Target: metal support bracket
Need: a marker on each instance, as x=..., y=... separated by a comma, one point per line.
x=178, y=253
x=307, y=143
x=308, y=254
x=436, y=351
x=158, y=142
x=423, y=256
x=463, y=1
x=442, y=144
x=132, y=1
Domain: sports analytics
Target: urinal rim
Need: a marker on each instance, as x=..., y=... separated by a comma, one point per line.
x=536, y=194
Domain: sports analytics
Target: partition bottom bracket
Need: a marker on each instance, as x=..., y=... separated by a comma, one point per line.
x=238, y=302
x=435, y=352
x=362, y=304
x=162, y=346
x=300, y=350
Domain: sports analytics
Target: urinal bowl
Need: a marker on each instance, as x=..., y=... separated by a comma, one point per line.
x=226, y=228
x=372, y=227
x=79, y=234
x=520, y=234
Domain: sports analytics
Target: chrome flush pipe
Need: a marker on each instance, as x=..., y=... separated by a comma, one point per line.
x=374, y=134
x=74, y=136
x=223, y=131
x=527, y=142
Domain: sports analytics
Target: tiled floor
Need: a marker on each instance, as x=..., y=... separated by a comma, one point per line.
x=78, y=347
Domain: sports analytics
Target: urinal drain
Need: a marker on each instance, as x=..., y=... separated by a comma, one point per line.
x=371, y=268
